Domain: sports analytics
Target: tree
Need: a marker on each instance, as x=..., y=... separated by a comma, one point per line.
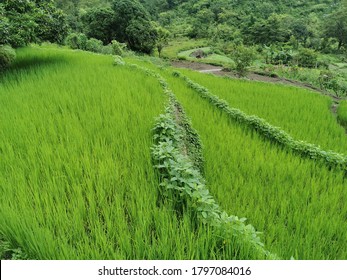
x=162, y=38
x=300, y=30
x=125, y=11
x=269, y=31
x=31, y=21
x=201, y=23
x=243, y=58
x=141, y=35
x=336, y=25
x=51, y=22
x=4, y=26
x=133, y=25
x=100, y=23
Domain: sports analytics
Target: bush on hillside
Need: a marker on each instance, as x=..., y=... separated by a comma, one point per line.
x=7, y=56
x=243, y=58
x=306, y=58
x=76, y=41
x=118, y=48
x=94, y=45
x=107, y=49
x=118, y=60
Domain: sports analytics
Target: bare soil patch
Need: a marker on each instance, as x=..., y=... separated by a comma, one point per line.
x=217, y=70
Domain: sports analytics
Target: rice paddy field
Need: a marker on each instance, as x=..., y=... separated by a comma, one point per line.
x=77, y=180
x=303, y=114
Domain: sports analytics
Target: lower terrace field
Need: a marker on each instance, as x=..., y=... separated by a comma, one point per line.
x=303, y=114
x=298, y=204
x=77, y=180
x=76, y=177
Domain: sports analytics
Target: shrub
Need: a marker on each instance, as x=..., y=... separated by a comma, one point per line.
x=118, y=60
x=94, y=45
x=7, y=56
x=243, y=58
x=108, y=49
x=118, y=48
x=277, y=55
x=306, y=58
x=77, y=41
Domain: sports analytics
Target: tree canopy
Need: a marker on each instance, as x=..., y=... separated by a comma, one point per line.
x=23, y=22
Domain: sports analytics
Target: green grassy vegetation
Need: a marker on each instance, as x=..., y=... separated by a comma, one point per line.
x=178, y=159
x=297, y=203
x=342, y=113
x=303, y=114
x=211, y=58
x=181, y=44
x=77, y=179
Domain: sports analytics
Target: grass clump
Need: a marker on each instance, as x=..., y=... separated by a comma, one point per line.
x=342, y=113
x=7, y=56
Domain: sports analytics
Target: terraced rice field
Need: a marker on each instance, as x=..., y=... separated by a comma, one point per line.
x=77, y=179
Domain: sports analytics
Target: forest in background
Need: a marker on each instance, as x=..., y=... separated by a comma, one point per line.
x=315, y=24
x=235, y=34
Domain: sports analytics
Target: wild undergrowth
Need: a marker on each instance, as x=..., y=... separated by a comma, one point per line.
x=8, y=252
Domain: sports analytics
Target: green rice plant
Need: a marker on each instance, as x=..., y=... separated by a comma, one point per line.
x=177, y=156
x=342, y=113
x=296, y=203
x=76, y=173
x=302, y=114
x=270, y=132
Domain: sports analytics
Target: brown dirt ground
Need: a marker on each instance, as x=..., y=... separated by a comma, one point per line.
x=216, y=70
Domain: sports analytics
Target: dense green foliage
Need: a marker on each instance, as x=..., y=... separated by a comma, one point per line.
x=243, y=58
x=23, y=22
x=7, y=56
x=317, y=24
x=100, y=23
x=126, y=21
x=336, y=25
